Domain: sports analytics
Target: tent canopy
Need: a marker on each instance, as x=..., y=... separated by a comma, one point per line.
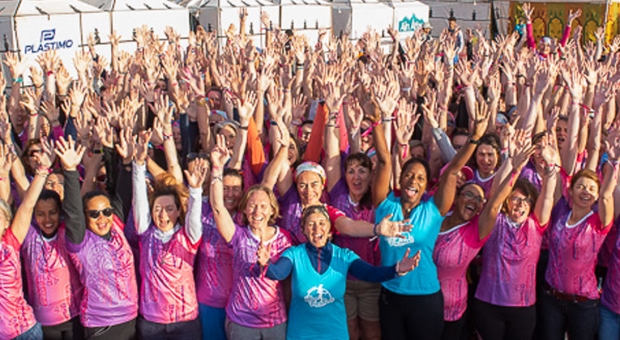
x=132, y=5
x=19, y=8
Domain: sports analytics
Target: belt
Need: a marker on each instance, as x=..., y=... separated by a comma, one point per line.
x=564, y=296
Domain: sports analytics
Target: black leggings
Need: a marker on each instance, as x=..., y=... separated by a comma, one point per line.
x=404, y=317
x=70, y=330
x=504, y=323
x=123, y=331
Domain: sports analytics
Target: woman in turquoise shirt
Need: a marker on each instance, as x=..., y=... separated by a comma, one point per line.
x=411, y=307
x=319, y=275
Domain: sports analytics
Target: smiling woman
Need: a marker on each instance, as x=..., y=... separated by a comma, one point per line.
x=319, y=274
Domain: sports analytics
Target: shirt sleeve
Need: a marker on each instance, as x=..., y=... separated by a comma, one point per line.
x=10, y=239
x=367, y=272
x=141, y=213
x=530, y=36
x=280, y=269
x=193, y=222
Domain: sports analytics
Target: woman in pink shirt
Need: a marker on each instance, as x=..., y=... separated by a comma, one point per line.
x=504, y=307
x=255, y=308
x=54, y=288
x=17, y=319
x=570, y=299
x=486, y=161
x=169, y=232
x=462, y=235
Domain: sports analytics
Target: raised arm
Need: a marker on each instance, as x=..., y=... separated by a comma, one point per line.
x=164, y=115
x=528, y=11
x=488, y=215
x=141, y=209
x=23, y=216
x=332, y=161
x=610, y=177
x=381, y=187
x=70, y=156
x=223, y=220
x=569, y=149
x=546, y=200
x=245, y=107
x=446, y=190
x=195, y=179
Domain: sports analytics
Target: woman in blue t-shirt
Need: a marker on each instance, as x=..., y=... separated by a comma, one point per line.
x=398, y=319
x=319, y=275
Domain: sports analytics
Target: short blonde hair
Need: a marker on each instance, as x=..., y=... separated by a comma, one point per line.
x=273, y=201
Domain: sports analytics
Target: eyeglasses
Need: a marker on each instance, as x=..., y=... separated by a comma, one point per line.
x=94, y=214
x=471, y=196
x=193, y=155
x=517, y=200
x=53, y=184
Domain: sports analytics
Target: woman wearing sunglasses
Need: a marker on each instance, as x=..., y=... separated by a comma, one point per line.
x=169, y=234
x=504, y=307
x=463, y=233
x=100, y=252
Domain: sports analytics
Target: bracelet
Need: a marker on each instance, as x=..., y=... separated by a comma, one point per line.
x=49, y=73
x=474, y=141
x=18, y=80
x=216, y=178
x=387, y=119
x=333, y=125
x=244, y=127
x=43, y=171
x=406, y=89
x=273, y=123
x=374, y=229
x=166, y=137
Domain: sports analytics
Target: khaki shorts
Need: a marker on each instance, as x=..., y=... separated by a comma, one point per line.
x=362, y=299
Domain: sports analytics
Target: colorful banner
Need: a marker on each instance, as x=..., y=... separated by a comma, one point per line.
x=549, y=19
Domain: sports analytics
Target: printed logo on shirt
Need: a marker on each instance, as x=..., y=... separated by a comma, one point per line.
x=399, y=242
x=318, y=297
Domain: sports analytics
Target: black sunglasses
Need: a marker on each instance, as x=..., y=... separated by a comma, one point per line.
x=94, y=214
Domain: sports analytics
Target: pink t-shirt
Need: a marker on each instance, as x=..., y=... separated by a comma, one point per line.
x=214, y=264
x=255, y=300
x=485, y=183
x=16, y=316
x=611, y=289
x=573, y=252
x=509, y=263
x=54, y=287
x=366, y=248
x=454, y=251
x=107, y=272
x=167, y=290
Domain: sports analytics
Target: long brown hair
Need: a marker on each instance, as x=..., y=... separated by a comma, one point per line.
x=166, y=185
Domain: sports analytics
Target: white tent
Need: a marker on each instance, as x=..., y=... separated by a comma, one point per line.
x=355, y=17
x=30, y=27
x=127, y=15
x=218, y=15
x=409, y=16
x=306, y=17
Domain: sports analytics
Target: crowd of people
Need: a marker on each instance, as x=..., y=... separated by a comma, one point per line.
x=293, y=191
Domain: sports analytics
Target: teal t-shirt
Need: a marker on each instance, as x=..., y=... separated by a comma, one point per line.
x=317, y=306
x=426, y=221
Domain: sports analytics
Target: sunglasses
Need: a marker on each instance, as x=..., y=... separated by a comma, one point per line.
x=94, y=214
x=193, y=155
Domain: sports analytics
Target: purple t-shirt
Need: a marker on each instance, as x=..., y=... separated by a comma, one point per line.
x=107, y=272
x=214, y=272
x=255, y=300
x=509, y=263
x=454, y=251
x=530, y=174
x=54, y=287
x=573, y=252
x=366, y=248
x=484, y=183
x=611, y=289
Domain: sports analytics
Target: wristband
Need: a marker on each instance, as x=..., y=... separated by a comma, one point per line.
x=245, y=127
x=333, y=125
x=374, y=229
x=18, y=80
x=474, y=141
x=273, y=123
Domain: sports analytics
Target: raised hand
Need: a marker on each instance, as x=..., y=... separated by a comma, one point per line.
x=528, y=11
x=142, y=147
x=405, y=122
x=126, y=145
x=522, y=156
x=573, y=15
x=196, y=178
x=407, y=264
x=6, y=157
x=220, y=154
x=481, y=120
x=548, y=150
x=70, y=153
x=246, y=106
